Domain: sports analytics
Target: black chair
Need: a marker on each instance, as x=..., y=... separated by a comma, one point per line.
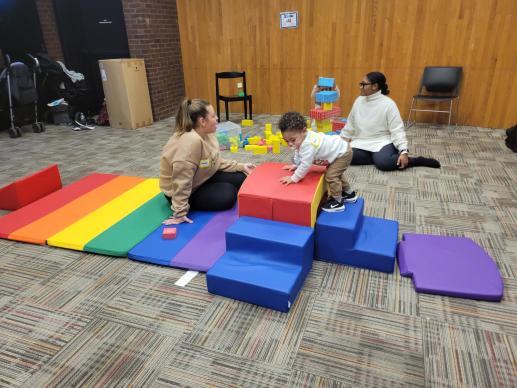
x=246, y=98
x=441, y=83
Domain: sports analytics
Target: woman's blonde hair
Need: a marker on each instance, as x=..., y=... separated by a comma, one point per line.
x=188, y=114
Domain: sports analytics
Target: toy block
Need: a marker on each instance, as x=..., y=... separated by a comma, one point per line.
x=169, y=233
x=338, y=125
x=260, y=149
x=266, y=263
x=326, y=96
x=320, y=114
x=234, y=148
x=324, y=82
x=30, y=188
x=327, y=106
x=250, y=147
x=247, y=123
x=276, y=146
x=327, y=126
x=254, y=140
x=269, y=127
x=452, y=266
x=262, y=195
x=308, y=123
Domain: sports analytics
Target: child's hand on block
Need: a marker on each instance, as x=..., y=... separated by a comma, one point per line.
x=169, y=233
x=287, y=180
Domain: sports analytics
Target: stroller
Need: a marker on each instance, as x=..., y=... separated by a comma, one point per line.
x=18, y=82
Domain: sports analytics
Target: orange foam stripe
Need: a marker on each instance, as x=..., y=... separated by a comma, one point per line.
x=38, y=231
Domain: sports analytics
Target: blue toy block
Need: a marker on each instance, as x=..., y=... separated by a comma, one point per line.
x=351, y=238
x=266, y=263
x=324, y=82
x=327, y=96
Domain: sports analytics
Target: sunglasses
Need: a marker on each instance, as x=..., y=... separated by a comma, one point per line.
x=363, y=84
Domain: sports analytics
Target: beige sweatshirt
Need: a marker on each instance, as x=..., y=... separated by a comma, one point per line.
x=187, y=161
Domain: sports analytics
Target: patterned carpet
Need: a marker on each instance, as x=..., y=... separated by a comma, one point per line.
x=75, y=319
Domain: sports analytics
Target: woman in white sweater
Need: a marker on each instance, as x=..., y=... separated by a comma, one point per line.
x=376, y=130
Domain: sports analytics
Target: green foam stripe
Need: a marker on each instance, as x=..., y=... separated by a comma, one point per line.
x=125, y=234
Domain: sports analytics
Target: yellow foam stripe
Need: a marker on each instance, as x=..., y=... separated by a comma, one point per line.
x=77, y=235
x=318, y=194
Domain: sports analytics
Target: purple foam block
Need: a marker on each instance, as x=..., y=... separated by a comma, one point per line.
x=201, y=253
x=453, y=266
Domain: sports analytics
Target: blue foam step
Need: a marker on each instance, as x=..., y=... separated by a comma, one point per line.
x=326, y=96
x=266, y=263
x=326, y=82
x=343, y=228
x=376, y=246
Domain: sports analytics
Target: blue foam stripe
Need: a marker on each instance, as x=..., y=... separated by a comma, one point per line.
x=154, y=249
x=325, y=82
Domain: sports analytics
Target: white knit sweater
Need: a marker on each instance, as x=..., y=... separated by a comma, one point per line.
x=374, y=122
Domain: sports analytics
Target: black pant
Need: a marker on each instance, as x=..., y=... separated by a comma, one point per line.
x=217, y=193
x=385, y=159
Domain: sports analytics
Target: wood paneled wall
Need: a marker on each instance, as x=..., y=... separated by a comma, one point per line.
x=346, y=39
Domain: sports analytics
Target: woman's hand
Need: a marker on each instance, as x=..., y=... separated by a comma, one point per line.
x=248, y=168
x=289, y=167
x=177, y=220
x=402, y=161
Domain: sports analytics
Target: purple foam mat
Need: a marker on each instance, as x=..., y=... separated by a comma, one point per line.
x=452, y=266
x=208, y=245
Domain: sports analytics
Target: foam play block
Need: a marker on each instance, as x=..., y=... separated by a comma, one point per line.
x=266, y=263
x=452, y=266
x=351, y=238
x=169, y=233
x=263, y=196
x=120, y=238
x=17, y=219
x=321, y=114
x=325, y=82
x=326, y=96
x=40, y=230
x=30, y=188
x=77, y=235
x=338, y=125
x=154, y=249
x=208, y=245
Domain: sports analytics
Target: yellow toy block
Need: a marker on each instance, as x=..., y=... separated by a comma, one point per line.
x=250, y=147
x=261, y=149
x=276, y=146
x=268, y=134
x=254, y=140
x=327, y=106
x=308, y=123
x=234, y=148
x=247, y=123
x=269, y=127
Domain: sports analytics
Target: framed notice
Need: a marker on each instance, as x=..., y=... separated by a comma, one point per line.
x=289, y=19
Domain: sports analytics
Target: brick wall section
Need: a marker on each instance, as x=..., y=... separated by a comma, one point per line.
x=153, y=34
x=49, y=28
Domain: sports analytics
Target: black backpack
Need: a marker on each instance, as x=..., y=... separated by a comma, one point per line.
x=511, y=140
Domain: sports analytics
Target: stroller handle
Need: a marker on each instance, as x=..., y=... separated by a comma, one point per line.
x=7, y=60
x=35, y=62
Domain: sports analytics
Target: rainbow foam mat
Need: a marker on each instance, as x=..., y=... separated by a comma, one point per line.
x=119, y=216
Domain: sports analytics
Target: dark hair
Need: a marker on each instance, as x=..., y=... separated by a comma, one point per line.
x=292, y=121
x=376, y=77
x=188, y=114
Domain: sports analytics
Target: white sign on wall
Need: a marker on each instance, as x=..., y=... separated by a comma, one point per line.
x=289, y=19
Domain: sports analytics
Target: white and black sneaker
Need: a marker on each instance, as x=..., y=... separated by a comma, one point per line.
x=349, y=197
x=332, y=206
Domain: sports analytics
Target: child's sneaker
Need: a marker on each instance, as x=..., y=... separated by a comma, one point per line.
x=333, y=206
x=349, y=197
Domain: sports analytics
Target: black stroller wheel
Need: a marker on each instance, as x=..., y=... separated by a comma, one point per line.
x=18, y=131
x=41, y=126
x=36, y=128
x=12, y=133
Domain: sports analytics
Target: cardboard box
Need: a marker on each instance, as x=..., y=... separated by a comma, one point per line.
x=127, y=95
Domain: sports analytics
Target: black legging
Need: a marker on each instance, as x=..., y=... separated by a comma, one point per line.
x=217, y=193
x=385, y=159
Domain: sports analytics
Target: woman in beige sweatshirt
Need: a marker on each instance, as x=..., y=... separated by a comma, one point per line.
x=192, y=174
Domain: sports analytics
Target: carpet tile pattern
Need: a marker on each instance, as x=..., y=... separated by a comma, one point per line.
x=70, y=319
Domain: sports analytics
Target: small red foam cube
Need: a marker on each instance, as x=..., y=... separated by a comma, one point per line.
x=169, y=233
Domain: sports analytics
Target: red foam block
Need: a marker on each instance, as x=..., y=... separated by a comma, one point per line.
x=30, y=188
x=169, y=233
x=263, y=196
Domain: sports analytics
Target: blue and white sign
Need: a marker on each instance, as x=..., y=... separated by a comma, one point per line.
x=289, y=19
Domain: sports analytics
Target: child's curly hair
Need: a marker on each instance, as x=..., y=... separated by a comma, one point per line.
x=292, y=121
